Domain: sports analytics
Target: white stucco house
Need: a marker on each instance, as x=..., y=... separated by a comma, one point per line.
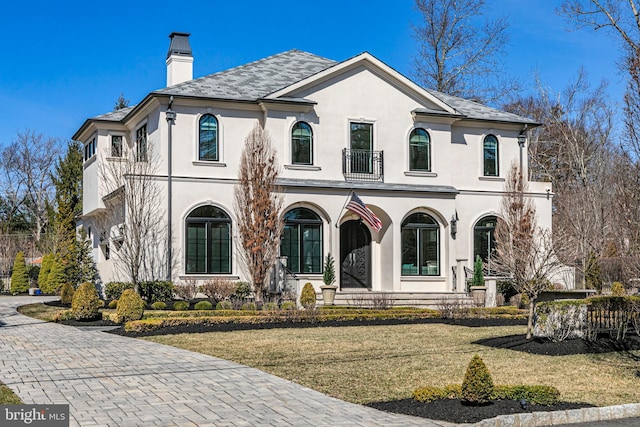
x=430, y=166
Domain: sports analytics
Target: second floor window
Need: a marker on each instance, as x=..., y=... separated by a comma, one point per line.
x=490, y=156
x=90, y=149
x=116, y=145
x=141, y=144
x=208, y=138
x=301, y=144
x=419, y=151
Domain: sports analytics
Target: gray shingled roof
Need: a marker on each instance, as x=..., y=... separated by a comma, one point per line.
x=474, y=110
x=254, y=80
x=258, y=79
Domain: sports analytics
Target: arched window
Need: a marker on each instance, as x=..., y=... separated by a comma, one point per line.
x=484, y=241
x=420, y=246
x=208, y=245
x=490, y=156
x=419, y=151
x=302, y=241
x=208, y=138
x=301, y=144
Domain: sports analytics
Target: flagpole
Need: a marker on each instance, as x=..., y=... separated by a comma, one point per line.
x=343, y=206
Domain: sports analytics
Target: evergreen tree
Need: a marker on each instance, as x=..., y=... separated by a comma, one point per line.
x=45, y=269
x=56, y=278
x=478, y=275
x=592, y=276
x=19, y=277
x=82, y=267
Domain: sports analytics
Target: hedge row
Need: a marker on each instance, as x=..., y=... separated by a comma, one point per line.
x=533, y=394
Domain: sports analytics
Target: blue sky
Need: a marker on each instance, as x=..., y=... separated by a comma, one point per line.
x=65, y=61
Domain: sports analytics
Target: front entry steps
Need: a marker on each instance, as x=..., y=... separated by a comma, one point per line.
x=433, y=300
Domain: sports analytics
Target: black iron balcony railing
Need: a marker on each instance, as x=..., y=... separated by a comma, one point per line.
x=362, y=165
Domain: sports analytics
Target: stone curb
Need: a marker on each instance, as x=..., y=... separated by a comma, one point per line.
x=573, y=416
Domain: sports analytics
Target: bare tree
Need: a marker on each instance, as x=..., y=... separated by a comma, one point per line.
x=258, y=204
x=457, y=57
x=27, y=164
x=573, y=151
x=134, y=221
x=524, y=251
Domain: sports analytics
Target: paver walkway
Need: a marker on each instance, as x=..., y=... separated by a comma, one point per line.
x=109, y=380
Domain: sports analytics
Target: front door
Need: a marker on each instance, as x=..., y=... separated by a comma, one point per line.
x=355, y=255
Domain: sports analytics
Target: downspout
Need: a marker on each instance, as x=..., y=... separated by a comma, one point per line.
x=171, y=119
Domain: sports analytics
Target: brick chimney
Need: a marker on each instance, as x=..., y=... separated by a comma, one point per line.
x=179, y=59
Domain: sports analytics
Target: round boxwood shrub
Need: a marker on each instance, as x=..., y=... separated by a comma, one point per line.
x=181, y=306
x=477, y=386
x=308, y=296
x=130, y=307
x=86, y=303
x=249, y=306
x=159, y=305
x=113, y=304
x=270, y=306
x=203, y=305
x=288, y=305
x=66, y=294
x=224, y=305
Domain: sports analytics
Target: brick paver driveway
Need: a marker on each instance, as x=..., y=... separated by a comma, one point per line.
x=109, y=380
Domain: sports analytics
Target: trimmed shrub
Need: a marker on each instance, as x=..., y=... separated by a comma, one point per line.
x=243, y=290
x=478, y=274
x=113, y=304
x=270, y=306
x=181, y=306
x=156, y=291
x=218, y=289
x=113, y=290
x=203, y=305
x=56, y=278
x=288, y=305
x=45, y=269
x=560, y=320
x=308, y=296
x=534, y=394
x=130, y=307
x=617, y=289
x=159, y=305
x=66, y=294
x=61, y=315
x=477, y=386
x=251, y=306
x=224, y=305
x=19, y=276
x=86, y=303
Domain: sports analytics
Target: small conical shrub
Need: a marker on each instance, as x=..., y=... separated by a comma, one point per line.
x=86, y=303
x=55, y=280
x=66, y=294
x=308, y=296
x=478, y=274
x=477, y=386
x=130, y=307
x=45, y=269
x=19, y=276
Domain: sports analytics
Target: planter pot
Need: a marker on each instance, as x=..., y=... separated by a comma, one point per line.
x=328, y=294
x=479, y=294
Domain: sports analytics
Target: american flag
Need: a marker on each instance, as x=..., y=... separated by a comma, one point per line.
x=357, y=206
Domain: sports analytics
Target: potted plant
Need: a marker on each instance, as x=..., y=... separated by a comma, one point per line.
x=329, y=277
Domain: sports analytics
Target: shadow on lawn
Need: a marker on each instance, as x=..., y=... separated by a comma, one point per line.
x=564, y=348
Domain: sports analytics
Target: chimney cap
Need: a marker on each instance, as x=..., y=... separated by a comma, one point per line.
x=179, y=44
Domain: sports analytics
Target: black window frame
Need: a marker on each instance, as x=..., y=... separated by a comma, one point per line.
x=142, y=144
x=219, y=219
x=298, y=220
x=298, y=141
x=491, y=156
x=420, y=224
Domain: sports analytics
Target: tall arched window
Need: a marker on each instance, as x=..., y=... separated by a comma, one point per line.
x=302, y=241
x=301, y=144
x=419, y=151
x=208, y=138
x=208, y=241
x=484, y=241
x=420, y=246
x=490, y=156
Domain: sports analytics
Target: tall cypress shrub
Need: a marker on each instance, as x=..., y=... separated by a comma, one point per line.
x=19, y=277
x=45, y=269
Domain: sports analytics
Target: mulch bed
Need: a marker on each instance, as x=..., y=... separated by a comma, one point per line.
x=542, y=346
x=453, y=410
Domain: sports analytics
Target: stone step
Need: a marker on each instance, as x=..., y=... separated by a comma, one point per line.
x=399, y=299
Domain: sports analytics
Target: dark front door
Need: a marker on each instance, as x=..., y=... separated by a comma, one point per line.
x=355, y=255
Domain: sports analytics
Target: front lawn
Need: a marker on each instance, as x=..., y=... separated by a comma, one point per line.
x=364, y=364
x=7, y=396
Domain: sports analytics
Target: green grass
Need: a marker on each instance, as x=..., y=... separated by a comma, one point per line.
x=377, y=363
x=7, y=396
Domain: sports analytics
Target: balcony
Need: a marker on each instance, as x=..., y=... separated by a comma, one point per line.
x=362, y=165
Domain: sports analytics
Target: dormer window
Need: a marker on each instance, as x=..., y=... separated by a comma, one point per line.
x=208, y=138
